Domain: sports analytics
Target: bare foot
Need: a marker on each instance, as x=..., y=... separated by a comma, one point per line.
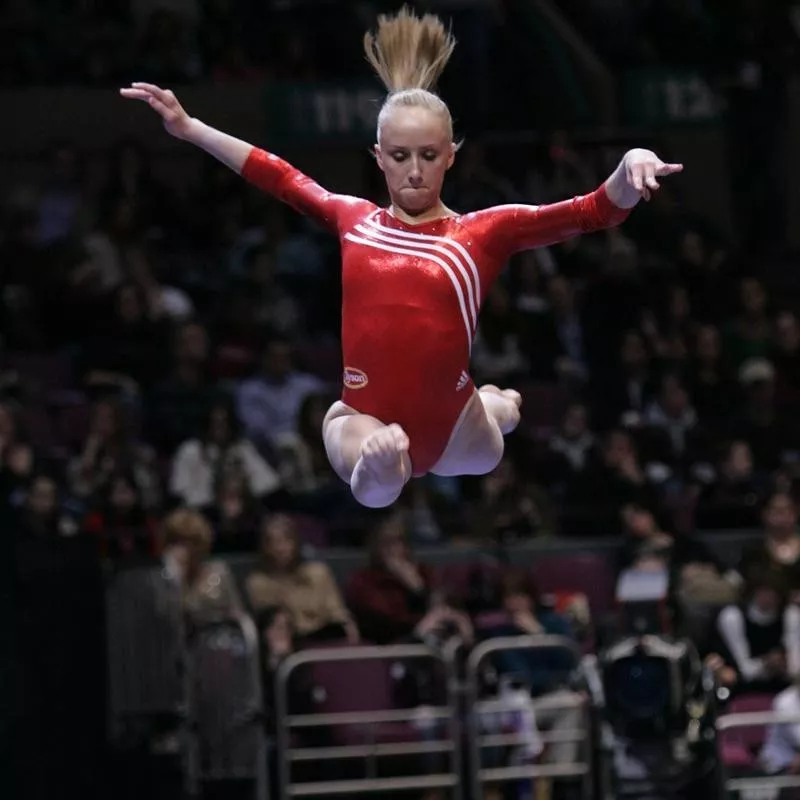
x=384, y=467
x=508, y=418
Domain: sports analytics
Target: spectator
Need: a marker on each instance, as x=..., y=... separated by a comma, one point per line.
x=771, y=436
x=209, y=590
x=613, y=478
x=306, y=589
x=512, y=506
x=235, y=515
x=781, y=751
x=269, y=403
x=624, y=393
x=732, y=494
x=120, y=524
x=710, y=384
x=496, y=356
x=779, y=548
x=393, y=598
x=108, y=449
x=786, y=359
x=760, y=639
x=126, y=354
x=749, y=334
x=178, y=405
x=544, y=673
x=201, y=464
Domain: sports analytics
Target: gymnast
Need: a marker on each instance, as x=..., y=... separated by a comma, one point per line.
x=414, y=274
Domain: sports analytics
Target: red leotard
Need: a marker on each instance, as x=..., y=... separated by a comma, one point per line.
x=412, y=293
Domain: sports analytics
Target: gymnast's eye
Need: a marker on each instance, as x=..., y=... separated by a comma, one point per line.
x=399, y=155
x=430, y=155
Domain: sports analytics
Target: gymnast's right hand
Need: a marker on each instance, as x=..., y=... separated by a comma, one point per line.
x=176, y=120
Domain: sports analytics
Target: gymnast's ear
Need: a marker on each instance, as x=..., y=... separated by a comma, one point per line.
x=378, y=155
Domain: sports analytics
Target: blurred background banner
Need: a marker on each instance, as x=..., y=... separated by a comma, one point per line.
x=668, y=97
x=321, y=114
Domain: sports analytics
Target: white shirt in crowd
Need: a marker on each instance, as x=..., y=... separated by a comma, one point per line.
x=196, y=467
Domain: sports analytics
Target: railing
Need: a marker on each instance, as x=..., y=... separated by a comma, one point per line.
x=757, y=787
x=442, y=716
x=479, y=708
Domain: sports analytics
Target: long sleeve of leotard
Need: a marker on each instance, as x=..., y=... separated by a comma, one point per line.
x=508, y=229
x=277, y=177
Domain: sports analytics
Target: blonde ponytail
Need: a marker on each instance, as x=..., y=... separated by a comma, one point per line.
x=407, y=51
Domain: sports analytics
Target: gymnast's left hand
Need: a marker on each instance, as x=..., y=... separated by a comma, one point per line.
x=643, y=168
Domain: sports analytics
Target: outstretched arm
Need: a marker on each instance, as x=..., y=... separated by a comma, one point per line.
x=270, y=173
x=229, y=150
x=505, y=230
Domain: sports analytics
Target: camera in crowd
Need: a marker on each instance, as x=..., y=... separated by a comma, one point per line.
x=655, y=699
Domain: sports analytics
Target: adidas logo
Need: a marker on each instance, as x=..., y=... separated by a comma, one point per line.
x=462, y=381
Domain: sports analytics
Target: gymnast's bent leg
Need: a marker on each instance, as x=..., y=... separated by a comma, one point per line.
x=476, y=445
x=369, y=456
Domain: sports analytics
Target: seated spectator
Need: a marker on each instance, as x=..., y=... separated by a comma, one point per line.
x=178, y=405
x=781, y=751
x=623, y=394
x=748, y=335
x=120, y=525
x=235, y=516
x=785, y=357
x=545, y=673
x=760, y=638
x=709, y=381
x=125, y=354
x=773, y=437
x=779, y=548
x=697, y=582
x=209, y=589
x=110, y=448
x=732, y=495
x=673, y=433
x=393, y=598
x=41, y=513
x=269, y=403
x=221, y=450
x=512, y=506
x=613, y=478
x=496, y=355
x=572, y=446
x=306, y=589
x=302, y=461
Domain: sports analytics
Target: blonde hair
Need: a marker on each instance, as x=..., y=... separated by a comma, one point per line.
x=187, y=526
x=409, y=53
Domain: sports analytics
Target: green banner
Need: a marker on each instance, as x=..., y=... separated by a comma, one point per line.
x=668, y=97
x=309, y=114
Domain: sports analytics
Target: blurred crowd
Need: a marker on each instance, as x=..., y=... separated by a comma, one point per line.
x=165, y=349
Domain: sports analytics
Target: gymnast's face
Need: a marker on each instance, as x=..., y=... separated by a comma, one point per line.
x=414, y=152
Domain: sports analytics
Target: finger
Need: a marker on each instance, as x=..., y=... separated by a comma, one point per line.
x=646, y=194
x=636, y=178
x=669, y=169
x=149, y=87
x=135, y=94
x=650, y=176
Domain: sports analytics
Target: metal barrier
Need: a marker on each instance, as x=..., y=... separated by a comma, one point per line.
x=289, y=724
x=226, y=706
x=479, y=709
x=763, y=787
